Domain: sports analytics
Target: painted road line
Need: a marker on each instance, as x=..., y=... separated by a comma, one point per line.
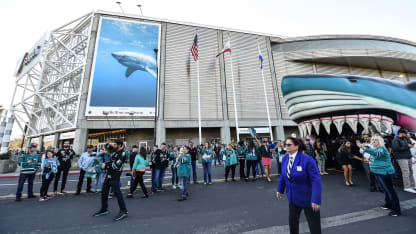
x=338, y=220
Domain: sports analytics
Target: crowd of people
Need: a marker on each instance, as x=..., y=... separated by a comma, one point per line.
x=380, y=157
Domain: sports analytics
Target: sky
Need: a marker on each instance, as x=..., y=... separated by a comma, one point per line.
x=23, y=22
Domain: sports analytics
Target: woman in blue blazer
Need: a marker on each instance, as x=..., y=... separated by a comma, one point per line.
x=301, y=179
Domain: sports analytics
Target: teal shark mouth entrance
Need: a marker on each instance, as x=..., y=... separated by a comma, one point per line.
x=353, y=101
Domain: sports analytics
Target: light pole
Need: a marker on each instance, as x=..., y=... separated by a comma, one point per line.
x=140, y=7
x=119, y=4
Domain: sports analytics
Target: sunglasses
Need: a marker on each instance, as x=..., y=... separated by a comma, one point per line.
x=288, y=144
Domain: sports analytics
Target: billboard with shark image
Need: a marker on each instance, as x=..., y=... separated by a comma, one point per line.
x=125, y=69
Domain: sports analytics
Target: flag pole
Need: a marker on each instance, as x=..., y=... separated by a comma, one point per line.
x=235, y=100
x=265, y=95
x=199, y=103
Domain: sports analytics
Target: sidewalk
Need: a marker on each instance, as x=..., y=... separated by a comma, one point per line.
x=16, y=174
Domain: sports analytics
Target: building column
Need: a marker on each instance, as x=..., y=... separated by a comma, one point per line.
x=80, y=140
x=56, y=140
x=160, y=132
x=40, y=146
x=279, y=132
x=225, y=135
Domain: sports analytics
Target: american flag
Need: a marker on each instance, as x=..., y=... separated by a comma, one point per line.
x=194, y=48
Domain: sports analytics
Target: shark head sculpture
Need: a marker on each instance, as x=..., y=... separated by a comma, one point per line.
x=314, y=99
x=136, y=61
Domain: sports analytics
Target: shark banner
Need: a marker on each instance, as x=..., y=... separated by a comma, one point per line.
x=125, y=70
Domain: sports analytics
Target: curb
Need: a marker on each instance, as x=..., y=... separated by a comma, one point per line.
x=38, y=174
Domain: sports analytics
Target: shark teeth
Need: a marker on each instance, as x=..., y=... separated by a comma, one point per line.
x=326, y=122
x=388, y=123
x=375, y=120
x=316, y=123
x=339, y=122
x=378, y=121
x=364, y=120
x=352, y=121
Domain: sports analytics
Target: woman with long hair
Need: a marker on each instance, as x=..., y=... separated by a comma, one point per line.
x=384, y=171
x=184, y=171
x=139, y=169
x=207, y=154
x=345, y=158
x=251, y=158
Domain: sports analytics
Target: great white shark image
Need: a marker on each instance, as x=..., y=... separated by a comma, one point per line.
x=315, y=99
x=136, y=61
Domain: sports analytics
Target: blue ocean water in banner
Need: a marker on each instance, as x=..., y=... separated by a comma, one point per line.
x=125, y=72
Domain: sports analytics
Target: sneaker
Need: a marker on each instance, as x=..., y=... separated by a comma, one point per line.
x=77, y=193
x=394, y=214
x=233, y=180
x=182, y=199
x=145, y=196
x=49, y=197
x=32, y=196
x=63, y=192
x=55, y=193
x=210, y=183
x=195, y=182
x=174, y=186
x=410, y=190
x=160, y=190
x=130, y=195
x=384, y=207
x=101, y=213
x=18, y=199
x=110, y=196
x=120, y=216
x=43, y=199
x=326, y=173
x=89, y=191
x=205, y=183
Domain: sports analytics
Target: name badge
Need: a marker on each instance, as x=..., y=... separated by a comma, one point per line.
x=299, y=168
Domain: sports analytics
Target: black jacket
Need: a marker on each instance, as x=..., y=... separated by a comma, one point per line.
x=64, y=157
x=193, y=153
x=115, y=166
x=132, y=158
x=161, y=159
x=401, y=148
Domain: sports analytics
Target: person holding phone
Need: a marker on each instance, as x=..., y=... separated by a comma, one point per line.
x=301, y=180
x=29, y=164
x=384, y=171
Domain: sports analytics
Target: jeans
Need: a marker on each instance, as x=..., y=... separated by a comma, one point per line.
x=391, y=198
x=158, y=178
x=207, y=172
x=45, y=184
x=217, y=158
x=64, y=172
x=112, y=183
x=321, y=164
x=261, y=167
x=184, y=186
x=175, y=178
x=193, y=171
x=313, y=218
x=407, y=172
x=99, y=180
x=370, y=177
x=251, y=165
x=81, y=181
x=138, y=179
x=22, y=179
x=279, y=167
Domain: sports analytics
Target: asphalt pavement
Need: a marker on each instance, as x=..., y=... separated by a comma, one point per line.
x=232, y=207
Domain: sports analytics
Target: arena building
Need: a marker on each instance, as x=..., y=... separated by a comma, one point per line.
x=110, y=75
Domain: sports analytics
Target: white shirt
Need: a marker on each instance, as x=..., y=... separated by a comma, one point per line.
x=366, y=155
